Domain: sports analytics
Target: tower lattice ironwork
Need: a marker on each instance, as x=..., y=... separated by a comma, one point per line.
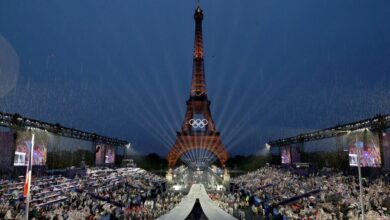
x=198, y=130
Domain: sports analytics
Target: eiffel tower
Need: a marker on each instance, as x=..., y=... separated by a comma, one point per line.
x=198, y=143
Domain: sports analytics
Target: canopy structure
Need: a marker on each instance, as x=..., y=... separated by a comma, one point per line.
x=378, y=123
x=210, y=209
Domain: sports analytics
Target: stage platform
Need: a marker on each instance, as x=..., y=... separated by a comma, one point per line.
x=210, y=209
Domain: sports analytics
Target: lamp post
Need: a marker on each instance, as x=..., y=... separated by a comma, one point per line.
x=127, y=148
x=268, y=153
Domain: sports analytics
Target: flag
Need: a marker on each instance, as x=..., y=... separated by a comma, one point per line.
x=26, y=184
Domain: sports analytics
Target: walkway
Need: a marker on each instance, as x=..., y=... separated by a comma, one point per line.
x=184, y=208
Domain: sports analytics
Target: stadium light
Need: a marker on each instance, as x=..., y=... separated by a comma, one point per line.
x=128, y=146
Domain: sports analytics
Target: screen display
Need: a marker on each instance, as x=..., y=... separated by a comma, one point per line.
x=99, y=160
x=286, y=155
x=6, y=155
x=23, y=146
x=296, y=154
x=66, y=152
x=110, y=154
x=386, y=150
x=368, y=143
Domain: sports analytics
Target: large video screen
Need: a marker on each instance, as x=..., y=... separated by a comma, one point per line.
x=23, y=146
x=386, y=151
x=286, y=155
x=105, y=154
x=6, y=155
x=296, y=153
x=64, y=152
x=100, y=153
x=368, y=142
x=110, y=154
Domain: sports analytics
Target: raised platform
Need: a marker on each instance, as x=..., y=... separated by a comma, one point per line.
x=210, y=209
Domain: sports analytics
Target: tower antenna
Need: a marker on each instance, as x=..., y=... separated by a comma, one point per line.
x=197, y=3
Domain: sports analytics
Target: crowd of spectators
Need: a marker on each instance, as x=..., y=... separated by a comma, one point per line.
x=125, y=193
x=231, y=203
x=271, y=191
x=133, y=193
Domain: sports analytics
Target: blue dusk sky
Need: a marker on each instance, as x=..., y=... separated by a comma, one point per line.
x=123, y=68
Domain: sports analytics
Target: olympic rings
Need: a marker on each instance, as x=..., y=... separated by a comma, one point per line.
x=198, y=123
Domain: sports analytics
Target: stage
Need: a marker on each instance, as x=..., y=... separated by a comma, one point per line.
x=184, y=209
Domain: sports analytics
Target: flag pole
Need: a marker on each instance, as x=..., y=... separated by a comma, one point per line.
x=27, y=184
x=360, y=179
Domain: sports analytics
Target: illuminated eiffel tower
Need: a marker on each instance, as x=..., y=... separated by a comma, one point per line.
x=198, y=143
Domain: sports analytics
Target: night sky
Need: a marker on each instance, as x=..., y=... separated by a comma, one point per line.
x=123, y=68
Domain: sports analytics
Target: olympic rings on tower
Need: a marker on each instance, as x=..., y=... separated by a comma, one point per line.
x=198, y=123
